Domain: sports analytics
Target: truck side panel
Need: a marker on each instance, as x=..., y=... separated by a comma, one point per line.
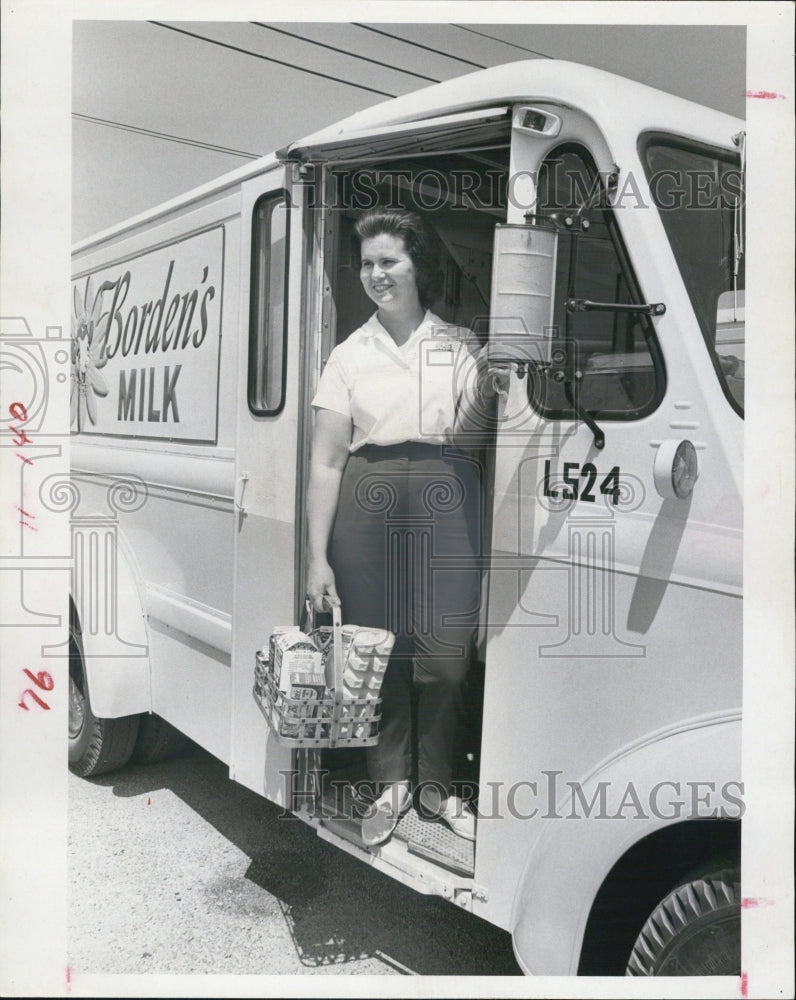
x=165, y=426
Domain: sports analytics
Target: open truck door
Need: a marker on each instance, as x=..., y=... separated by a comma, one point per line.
x=265, y=462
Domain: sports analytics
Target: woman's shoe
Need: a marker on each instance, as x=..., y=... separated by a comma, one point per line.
x=382, y=817
x=459, y=817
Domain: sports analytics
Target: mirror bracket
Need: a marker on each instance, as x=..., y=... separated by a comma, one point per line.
x=564, y=369
x=586, y=305
x=571, y=386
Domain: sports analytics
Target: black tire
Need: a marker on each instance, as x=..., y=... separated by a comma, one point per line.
x=157, y=740
x=96, y=746
x=694, y=931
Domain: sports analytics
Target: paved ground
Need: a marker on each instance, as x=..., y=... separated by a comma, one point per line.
x=175, y=869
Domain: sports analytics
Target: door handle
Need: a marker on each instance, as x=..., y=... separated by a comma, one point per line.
x=240, y=489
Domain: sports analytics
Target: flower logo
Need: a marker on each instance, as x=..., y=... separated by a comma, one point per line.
x=88, y=342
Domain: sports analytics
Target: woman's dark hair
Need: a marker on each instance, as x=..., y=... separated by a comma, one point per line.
x=421, y=243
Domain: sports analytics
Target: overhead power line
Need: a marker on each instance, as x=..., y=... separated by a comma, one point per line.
x=417, y=45
x=279, y=62
x=345, y=52
x=164, y=135
x=503, y=41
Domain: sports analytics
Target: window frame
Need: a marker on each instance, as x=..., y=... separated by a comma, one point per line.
x=685, y=144
x=634, y=292
x=255, y=303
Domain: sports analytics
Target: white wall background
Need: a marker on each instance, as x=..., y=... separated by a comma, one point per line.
x=160, y=107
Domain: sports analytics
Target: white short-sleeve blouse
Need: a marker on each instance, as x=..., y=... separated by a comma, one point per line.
x=395, y=394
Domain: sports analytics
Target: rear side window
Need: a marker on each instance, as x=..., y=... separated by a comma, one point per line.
x=268, y=313
x=617, y=351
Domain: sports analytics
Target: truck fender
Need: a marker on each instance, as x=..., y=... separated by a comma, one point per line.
x=670, y=773
x=107, y=594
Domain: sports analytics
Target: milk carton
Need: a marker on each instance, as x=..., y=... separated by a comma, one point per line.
x=307, y=687
x=277, y=631
x=366, y=652
x=306, y=692
x=292, y=651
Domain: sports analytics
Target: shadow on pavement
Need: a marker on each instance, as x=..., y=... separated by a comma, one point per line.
x=337, y=909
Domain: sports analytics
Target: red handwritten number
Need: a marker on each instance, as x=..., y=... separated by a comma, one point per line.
x=39, y=701
x=42, y=680
x=20, y=437
x=18, y=412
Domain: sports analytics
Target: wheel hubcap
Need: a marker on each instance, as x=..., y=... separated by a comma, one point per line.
x=77, y=709
x=77, y=689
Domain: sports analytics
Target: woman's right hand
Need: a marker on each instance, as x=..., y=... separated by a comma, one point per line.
x=494, y=377
x=320, y=585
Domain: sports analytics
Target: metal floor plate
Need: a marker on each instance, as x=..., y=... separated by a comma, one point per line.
x=430, y=839
x=435, y=840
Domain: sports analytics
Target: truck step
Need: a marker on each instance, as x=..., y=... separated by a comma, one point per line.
x=434, y=840
x=428, y=838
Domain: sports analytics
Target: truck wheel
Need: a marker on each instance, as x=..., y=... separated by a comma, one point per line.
x=95, y=745
x=694, y=931
x=157, y=740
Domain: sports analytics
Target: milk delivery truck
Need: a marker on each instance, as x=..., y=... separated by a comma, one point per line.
x=593, y=236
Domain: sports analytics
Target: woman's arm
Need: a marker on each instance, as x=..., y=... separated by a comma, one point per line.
x=330, y=442
x=475, y=424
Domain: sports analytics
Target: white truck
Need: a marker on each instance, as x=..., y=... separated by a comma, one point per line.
x=593, y=232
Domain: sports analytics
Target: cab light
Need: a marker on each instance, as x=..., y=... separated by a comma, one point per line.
x=676, y=469
x=536, y=120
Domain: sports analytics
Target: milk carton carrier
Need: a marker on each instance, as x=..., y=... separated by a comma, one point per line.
x=321, y=689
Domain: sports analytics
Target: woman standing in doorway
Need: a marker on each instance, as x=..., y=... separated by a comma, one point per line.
x=394, y=510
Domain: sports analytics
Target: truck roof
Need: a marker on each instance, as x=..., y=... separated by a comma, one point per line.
x=594, y=91
x=602, y=95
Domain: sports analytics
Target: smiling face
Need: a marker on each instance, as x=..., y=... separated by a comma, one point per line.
x=388, y=274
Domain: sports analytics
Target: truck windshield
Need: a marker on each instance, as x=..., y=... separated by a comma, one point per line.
x=699, y=192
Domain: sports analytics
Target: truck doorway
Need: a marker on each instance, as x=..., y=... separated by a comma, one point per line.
x=462, y=195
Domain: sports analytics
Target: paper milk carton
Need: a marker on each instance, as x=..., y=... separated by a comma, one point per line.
x=366, y=652
x=293, y=652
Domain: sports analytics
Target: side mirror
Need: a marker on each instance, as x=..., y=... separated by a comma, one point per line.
x=523, y=282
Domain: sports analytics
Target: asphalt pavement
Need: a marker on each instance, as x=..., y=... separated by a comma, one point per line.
x=175, y=869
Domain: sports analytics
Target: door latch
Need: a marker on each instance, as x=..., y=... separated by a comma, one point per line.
x=240, y=489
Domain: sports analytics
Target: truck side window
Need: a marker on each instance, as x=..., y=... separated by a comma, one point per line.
x=699, y=193
x=268, y=315
x=623, y=371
